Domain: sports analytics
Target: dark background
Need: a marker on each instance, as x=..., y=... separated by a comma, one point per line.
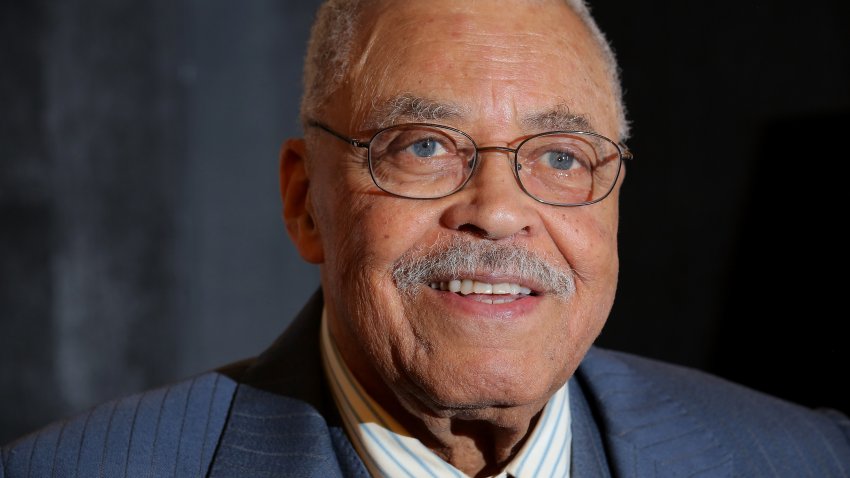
x=140, y=238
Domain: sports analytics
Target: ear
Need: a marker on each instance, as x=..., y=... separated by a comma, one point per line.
x=297, y=207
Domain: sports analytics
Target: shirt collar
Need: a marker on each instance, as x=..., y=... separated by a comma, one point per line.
x=388, y=450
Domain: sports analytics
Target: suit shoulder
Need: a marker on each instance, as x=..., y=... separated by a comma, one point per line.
x=169, y=431
x=758, y=429
x=717, y=394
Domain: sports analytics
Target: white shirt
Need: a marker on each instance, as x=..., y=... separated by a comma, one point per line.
x=388, y=450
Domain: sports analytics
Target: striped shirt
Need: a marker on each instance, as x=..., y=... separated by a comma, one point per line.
x=388, y=450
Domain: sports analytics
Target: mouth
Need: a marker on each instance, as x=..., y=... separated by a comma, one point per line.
x=487, y=292
x=462, y=272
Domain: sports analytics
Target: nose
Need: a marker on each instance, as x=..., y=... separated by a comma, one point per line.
x=492, y=205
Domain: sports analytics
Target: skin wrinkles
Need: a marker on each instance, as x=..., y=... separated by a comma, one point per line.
x=467, y=381
x=514, y=60
x=409, y=108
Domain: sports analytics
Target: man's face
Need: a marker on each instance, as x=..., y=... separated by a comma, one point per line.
x=496, y=64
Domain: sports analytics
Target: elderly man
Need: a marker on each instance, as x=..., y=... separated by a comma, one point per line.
x=458, y=186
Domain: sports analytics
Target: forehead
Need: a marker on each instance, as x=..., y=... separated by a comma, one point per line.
x=499, y=61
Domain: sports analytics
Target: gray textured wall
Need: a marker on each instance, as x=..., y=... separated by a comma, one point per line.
x=140, y=238
x=141, y=235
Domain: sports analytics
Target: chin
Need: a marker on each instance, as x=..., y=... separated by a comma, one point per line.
x=470, y=387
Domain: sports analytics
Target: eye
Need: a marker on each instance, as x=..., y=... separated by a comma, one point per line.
x=426, y=148
x=562, y=160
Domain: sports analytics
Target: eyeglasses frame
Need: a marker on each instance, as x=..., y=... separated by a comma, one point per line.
x=624, y=154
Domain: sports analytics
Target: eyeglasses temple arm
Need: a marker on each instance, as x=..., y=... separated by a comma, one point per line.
x=626, y=152
x=351, y=141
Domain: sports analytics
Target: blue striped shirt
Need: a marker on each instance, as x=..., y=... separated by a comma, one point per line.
x=388, y=450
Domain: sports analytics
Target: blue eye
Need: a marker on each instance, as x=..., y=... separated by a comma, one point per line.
x=425, y=148
x=560, y=160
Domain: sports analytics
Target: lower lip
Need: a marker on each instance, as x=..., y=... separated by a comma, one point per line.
x=469, y=305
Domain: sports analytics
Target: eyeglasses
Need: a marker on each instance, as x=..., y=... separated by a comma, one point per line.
x=430, y=161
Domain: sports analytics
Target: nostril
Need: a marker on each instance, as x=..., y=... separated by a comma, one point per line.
x=473, y=229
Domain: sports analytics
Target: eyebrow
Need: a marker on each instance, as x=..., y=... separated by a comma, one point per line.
x=559, y=118
x=411, y=108
x=408, y=107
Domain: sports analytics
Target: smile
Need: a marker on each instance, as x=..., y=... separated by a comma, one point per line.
x=470, y=286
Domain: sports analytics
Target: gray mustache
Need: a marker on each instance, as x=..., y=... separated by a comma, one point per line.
x=461, y=257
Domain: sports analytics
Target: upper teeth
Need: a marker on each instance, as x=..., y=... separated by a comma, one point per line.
x=469, y=286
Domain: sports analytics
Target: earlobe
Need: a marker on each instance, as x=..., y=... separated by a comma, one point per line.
x=297, y=208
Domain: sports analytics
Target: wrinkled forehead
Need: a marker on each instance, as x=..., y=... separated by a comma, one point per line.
x=472, y=61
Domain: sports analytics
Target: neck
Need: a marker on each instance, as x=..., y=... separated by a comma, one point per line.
x=476, y=447
x=479, y=442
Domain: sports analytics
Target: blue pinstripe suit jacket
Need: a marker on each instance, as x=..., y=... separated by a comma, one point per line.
x=273, y=416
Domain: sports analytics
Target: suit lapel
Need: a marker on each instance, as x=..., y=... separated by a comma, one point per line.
x=283, y=421
x=588, y=451
x=645, y=431
x=269, y=435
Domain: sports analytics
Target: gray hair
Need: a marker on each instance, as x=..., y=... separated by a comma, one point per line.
x=459, y=257
x=332, y=38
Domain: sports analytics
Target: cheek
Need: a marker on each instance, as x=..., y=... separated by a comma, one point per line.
x=340, y=198
x=364, y=231
x=379, y=229
x=370, y=233
x=587, y=241
x=587, y=238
